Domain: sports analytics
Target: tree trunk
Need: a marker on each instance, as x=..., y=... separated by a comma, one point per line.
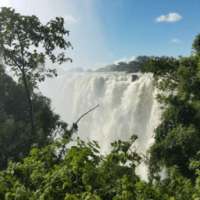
x=30, y=103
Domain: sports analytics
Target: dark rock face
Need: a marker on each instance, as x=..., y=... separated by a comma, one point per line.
x=134, y=77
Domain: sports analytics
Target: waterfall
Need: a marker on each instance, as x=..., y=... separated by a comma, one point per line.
x=127, y=107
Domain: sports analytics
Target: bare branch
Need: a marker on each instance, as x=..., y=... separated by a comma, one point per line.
x=83, y=115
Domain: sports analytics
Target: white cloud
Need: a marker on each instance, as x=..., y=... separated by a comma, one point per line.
x=175, y=41
x=69, y=19
x=169, y=18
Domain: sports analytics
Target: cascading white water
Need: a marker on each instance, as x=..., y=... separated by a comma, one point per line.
x=126, y=107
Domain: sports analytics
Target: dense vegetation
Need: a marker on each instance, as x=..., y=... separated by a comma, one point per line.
x=177, y=139
x=15, y=130
x=26, y=117
x=35, y=165
x=83, y=173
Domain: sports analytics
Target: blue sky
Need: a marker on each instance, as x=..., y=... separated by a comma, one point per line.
x=104, y=31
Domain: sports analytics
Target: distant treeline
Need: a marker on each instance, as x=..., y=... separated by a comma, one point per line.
x=130, y=67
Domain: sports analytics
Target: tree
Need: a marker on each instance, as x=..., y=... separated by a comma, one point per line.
x=177, y=138
x=15, y=130
x=25, y=45
x=196, y=44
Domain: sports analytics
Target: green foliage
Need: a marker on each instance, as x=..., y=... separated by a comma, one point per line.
x=82, y=173
x=26, y=118
x=15, y=131
x=177, y=138
x=196, y=44
x=26, y=44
